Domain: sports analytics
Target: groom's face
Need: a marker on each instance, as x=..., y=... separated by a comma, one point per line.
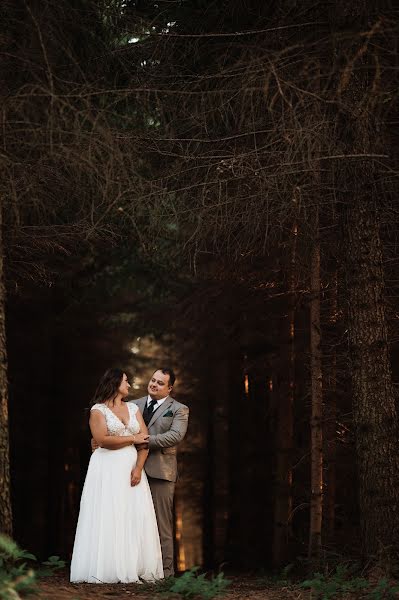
x=158, y=386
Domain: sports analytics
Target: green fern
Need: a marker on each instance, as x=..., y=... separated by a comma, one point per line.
x=383, y=590
x=49, y=566
x=340, y=582
x=11, y=552
x=192, y=585
x=15, y=575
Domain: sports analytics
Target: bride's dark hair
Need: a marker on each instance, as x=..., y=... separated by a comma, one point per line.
x=108, y=386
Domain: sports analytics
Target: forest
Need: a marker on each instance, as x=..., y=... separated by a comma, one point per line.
x=210, y=186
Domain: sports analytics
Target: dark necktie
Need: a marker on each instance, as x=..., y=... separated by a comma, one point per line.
x=149, y=410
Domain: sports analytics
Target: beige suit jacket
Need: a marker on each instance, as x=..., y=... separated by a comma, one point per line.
x=167, y=427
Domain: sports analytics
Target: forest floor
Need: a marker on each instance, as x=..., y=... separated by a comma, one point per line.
x=58, y=587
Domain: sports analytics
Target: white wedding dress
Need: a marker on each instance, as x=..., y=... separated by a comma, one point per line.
x=117, y=535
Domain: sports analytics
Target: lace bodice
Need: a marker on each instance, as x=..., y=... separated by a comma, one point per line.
x=115, y=425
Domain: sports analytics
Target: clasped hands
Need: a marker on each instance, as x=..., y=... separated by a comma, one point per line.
x=140, y=438
x=141, y=441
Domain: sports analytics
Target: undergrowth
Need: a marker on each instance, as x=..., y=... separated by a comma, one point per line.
x=342, y=583
x=19, y=570
x=192, y=585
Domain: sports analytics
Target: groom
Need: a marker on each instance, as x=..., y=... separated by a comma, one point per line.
x=167, y=422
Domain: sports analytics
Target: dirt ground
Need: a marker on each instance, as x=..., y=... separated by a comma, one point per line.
x=59, y=588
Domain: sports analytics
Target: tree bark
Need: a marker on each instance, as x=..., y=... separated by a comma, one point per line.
x=5, y=488
x=330, y=427
x=283, y=466
x=220, y=472
x=180, y=557
x=374, y=407
x=360, y=134
x=285, y=420
x=316, y=501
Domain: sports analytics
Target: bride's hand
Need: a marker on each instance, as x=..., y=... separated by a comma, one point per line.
x=135, y=476
x=141, y=438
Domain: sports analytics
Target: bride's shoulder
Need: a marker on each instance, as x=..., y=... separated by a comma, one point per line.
x=132, y=406
x=100, y=407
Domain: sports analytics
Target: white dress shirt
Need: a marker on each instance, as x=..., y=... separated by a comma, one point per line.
x=157, y=405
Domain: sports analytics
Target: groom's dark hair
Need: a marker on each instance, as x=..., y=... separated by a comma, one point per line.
x=168, y=371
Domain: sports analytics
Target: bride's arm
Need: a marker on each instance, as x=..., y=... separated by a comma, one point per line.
x=142, y=452
x=98, y=429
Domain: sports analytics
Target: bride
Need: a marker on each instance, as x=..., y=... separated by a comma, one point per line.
x=117, y=536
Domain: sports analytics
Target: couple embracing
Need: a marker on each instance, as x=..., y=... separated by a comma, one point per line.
x=125, y=526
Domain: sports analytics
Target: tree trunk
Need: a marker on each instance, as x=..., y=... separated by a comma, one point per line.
x=220, y=415
x=285, y=421
x=374, y=407
x=5, y=492
x=236, y=534
x=330, y=427
x=360, y=136
x=283, y=466
x=180, y=557
x=316, y=501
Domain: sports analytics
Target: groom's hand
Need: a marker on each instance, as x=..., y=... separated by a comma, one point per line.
x=140, y=438
x=94, y=444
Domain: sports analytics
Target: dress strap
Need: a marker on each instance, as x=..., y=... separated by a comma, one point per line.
x=132, y=407
x=98, y=406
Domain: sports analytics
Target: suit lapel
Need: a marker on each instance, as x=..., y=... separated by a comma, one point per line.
x=161, y=410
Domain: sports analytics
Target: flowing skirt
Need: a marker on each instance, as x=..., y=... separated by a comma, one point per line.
x=117, y=535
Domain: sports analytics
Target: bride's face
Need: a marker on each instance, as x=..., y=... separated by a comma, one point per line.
x=124, y=386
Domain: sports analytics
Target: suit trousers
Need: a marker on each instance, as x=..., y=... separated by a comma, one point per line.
x=162, y=492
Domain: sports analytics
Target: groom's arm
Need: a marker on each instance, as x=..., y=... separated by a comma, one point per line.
x=175, y=433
